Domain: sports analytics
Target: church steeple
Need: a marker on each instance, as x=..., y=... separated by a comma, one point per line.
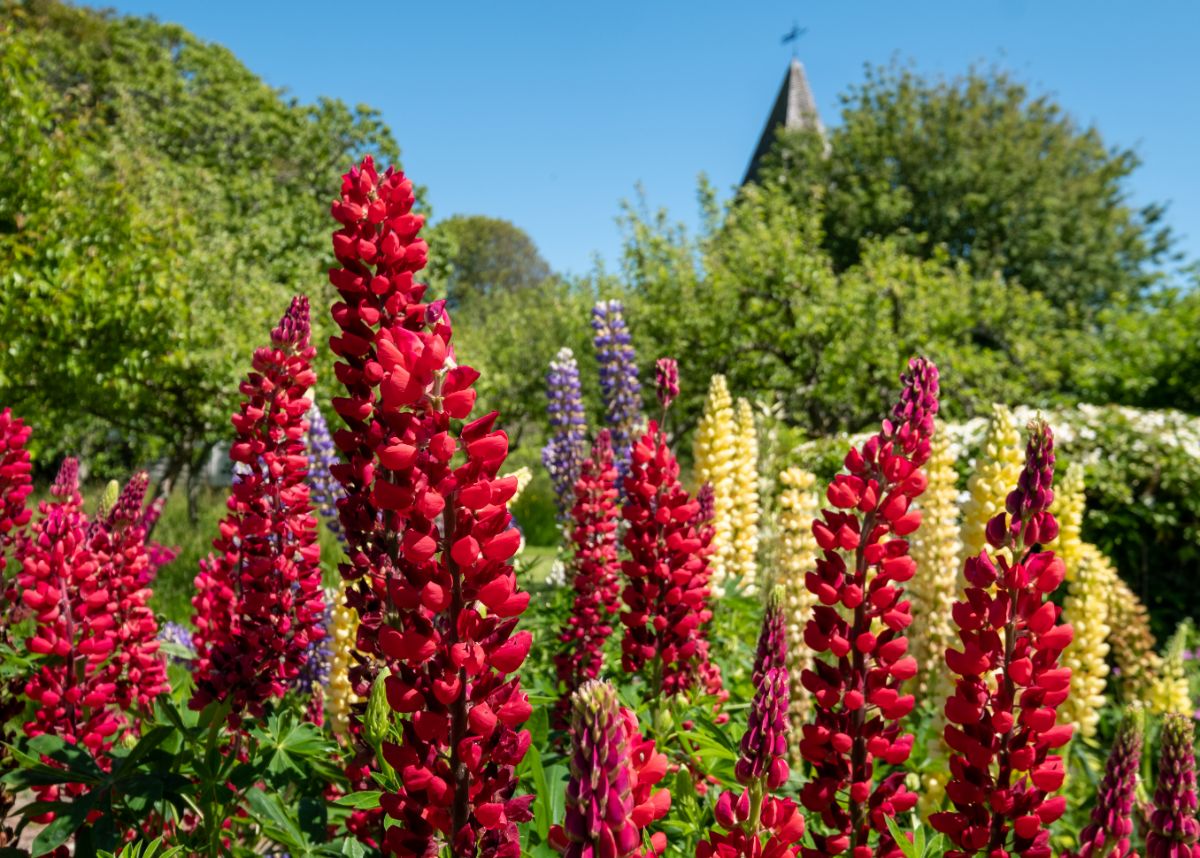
x=794, y=107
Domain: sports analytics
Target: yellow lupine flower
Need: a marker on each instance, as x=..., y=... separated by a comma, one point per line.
x=1133, y=644
x=996, y=471
x=524, y=476
x=934, y=587
x=798, y=506
x=715, y=449
x=743, y=561
x=1068, y=508
x=1085, y=607
x=1169, y=692
x=343, y=630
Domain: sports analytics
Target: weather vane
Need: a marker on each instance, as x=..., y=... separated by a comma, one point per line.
x=793, y=36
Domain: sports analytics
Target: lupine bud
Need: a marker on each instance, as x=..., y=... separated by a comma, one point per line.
x=613, y=771
x=1002, y=714
x=666, y=597
x=858, y=690
x=596, y=580
x=619, y=385
x=428, y=539
x=259, y=602
x=764, y=744
x=715, y=452
x=666, y=381
x=1174, y=828
x=745, y=513
x=322, y=457
x=1111, y=827
x=564, y=452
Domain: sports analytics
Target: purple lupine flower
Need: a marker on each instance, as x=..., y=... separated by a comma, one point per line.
x=314, y=673
x=764, y=744
x=180, y=636
x=564, y=453
x=619, y=385
x=322, y=456
x=1112, y=817
x=666, y=378
x=1174, y=828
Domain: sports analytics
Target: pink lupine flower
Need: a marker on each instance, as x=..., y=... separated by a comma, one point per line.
x=666, y=381
x=15, y=480
x=1002, y=718
x=596, y=578
x=860, y=621
x=1109, y=832
x=259, y=601
x=427, y=537
x=756, y=813
x=1174, y=829
x=611, y=797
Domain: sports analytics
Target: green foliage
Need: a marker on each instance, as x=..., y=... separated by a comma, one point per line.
x=487, y=256
x=166, y=205
x=980, y=168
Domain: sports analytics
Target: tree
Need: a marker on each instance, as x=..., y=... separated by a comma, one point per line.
x=160, y=206
x=488, y=256
x=978, y=168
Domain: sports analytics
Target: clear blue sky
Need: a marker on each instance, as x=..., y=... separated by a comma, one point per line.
x=549, y=113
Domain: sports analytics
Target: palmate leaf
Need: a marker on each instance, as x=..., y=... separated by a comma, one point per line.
x=68, y=818
x=277, y=823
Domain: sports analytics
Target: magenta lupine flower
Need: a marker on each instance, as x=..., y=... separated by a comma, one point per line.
x=1001, y=719
x=1174, y=829
x=666, y=381
x=764, y=744
x=619, y=385
x=707, y=505
x=564, y=453
x=1112, y=818
x=860, y=620
x=15, y=480
x=610, y=795
x=597, y=574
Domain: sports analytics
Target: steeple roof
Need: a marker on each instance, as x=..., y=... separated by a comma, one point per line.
x=794, y=107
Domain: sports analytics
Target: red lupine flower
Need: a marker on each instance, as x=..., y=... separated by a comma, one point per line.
x=1174, y=829
x=1002, y=717
x=860, y=621
x=610, y=795
x=666, y=597
x=1109, y=832
x=137, y=670
x=428, y=538
x=15, y=480
x=762, y=767
x=259, y=601
x=596, y=580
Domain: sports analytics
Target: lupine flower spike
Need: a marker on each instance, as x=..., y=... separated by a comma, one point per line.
x=611, y=798
x=860, y=621
x=259, y=603
x=1174, y=829
x=996, y=471
x=715, y=452
x=756, y=813
x=1108, y=835
x=666, y=381
x=1002, y=715
x=666, y=597
x=15, y=482
x=322, y=456
x=596, y=581
x=428, y=539
x=619, y=385
x=564, y=452
x=743, y=559
x=797, y=556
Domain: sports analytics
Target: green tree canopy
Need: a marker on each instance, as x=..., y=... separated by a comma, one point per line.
x=160, y=204
x=978, y=168
x=488, y=256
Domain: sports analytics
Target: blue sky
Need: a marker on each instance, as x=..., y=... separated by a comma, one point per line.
x=550, y=113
